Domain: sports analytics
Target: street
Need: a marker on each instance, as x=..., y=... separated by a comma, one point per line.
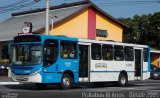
x=135, y=89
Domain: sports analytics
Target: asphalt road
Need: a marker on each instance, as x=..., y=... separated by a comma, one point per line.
x=136, y=89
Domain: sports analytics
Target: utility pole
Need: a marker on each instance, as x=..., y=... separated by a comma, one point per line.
x=52, y=21
x=47, y=17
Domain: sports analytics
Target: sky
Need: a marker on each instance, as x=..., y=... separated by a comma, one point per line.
x=116, y=8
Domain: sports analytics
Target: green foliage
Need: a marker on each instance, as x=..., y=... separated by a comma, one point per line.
x=143, y=29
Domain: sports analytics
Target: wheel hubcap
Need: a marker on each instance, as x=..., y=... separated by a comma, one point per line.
x=123, y=80
x=66, y=82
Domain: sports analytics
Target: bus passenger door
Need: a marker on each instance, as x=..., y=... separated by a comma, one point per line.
x=84, y=63
x=138, y=64
x=50, y=59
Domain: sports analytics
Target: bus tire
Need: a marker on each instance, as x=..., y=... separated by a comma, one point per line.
x=66, y=82
x=41, y=85
x=99, y=84
x=123, y=80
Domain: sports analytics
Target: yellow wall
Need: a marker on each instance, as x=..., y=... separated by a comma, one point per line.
x=154, y=59
x=76, y=26
x=114, y=31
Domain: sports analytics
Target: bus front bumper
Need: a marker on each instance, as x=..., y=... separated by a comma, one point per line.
x=26, y=78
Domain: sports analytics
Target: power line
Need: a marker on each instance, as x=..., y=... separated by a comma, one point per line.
x=13, y=4
x=127, y=3
x=18, y=5
x=121, y=4
x=25, y=3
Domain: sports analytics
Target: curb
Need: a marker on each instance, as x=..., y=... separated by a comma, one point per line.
x=9, y=83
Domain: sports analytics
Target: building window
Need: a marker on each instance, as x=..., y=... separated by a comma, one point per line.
x=68, y=50
x=118, y=53
x=107, y=52
x=101, y=33
x=96, y=51
x=128, y=53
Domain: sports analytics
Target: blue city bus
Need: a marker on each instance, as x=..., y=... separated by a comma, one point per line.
x=44, y=59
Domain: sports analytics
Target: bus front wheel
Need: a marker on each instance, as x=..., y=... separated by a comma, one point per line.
x=66, y=82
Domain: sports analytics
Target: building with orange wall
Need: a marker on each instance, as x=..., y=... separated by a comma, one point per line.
x=89, y=23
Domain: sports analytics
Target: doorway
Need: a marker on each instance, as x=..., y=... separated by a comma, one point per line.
x=138, y=64
x=84, y=63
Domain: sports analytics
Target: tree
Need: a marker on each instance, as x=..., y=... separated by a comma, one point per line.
x=143, y=29
x=155, y=29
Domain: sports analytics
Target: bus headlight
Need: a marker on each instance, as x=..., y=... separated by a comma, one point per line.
x=36, y=72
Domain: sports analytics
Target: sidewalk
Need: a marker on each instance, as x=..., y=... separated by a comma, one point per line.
x=4, y=80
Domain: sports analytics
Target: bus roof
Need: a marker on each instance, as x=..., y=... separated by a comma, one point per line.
x=43, y=37
x=61, y=37
x=112, y=42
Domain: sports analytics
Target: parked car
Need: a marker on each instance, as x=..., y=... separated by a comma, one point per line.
x=155, y=72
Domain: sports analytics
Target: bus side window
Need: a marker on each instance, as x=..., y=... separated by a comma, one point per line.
x=118, y=53
x=128, y=51
x=50, y=52
x=68, y=50
x=107, y=52
x=145, y=54
x=96, y=51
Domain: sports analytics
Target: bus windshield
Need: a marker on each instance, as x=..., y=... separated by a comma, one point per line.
x=27, y=54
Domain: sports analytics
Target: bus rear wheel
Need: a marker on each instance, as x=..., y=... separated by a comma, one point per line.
x=123, y=80
x=66, y=82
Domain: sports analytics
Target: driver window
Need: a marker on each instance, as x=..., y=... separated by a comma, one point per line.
x=50, y=52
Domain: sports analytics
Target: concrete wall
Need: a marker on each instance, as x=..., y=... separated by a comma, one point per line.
x=75, y=26
x=115, y=31
x=84, y=25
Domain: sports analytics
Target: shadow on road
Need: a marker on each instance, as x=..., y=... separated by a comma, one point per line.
x=55, y=87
